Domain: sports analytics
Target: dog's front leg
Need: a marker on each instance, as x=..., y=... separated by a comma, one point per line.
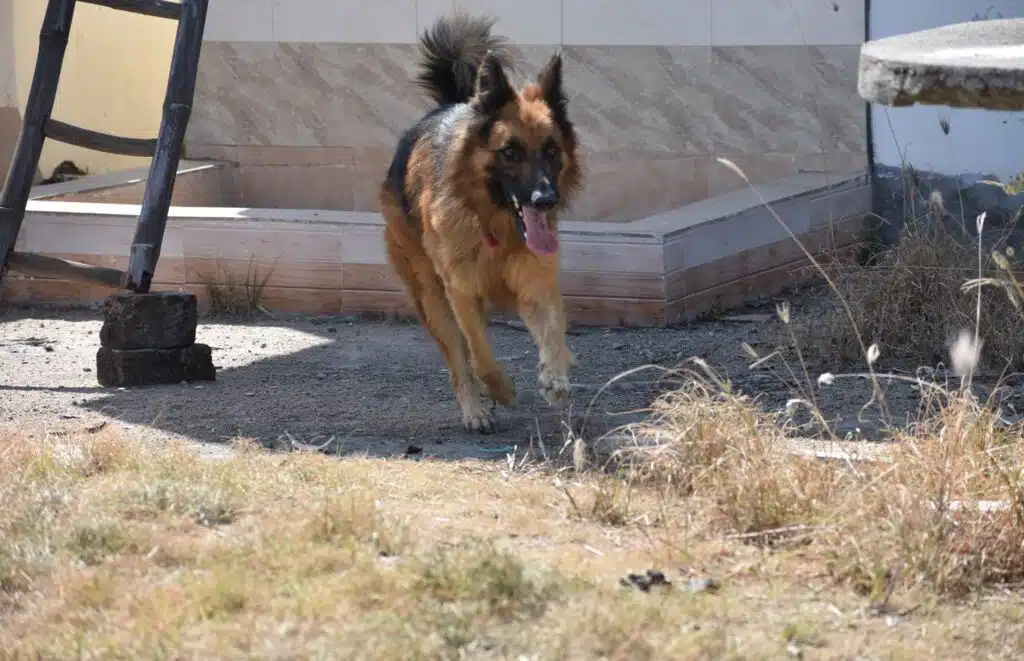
x=473, y=322
x=544, y=316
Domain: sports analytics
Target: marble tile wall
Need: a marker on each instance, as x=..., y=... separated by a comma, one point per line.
x=658, y=91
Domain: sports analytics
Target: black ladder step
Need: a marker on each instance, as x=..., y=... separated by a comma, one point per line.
x=160, y=8
x=111, y=144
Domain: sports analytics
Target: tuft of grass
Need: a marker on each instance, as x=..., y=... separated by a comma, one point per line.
x=230, y=295
x=909, y=298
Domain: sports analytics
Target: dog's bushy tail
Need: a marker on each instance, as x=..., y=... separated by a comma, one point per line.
x=450, y=53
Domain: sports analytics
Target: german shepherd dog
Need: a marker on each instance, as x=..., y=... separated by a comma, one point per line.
x=470, y=203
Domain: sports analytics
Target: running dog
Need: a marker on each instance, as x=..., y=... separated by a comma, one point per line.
x=470, y=203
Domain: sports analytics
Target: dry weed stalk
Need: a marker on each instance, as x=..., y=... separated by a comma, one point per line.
x=944, y=511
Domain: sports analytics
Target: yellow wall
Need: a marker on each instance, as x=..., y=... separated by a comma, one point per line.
x=8, y=95
x=113, y=80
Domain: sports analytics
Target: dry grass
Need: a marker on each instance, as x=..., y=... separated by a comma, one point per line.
x=229, y=295
x=909, y=298
x=917, y=522
x=111, y=550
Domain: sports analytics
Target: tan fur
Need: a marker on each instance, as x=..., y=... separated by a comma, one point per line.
x=454, y=277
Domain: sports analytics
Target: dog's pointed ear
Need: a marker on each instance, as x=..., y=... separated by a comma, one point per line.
x=493, y=90
x=549, y=81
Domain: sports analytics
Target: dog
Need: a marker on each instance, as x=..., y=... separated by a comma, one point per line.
x=470, y=204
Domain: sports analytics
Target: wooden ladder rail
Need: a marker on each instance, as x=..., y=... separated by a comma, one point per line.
x=165, y=150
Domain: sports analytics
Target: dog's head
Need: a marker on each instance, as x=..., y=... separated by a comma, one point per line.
x=523, y=149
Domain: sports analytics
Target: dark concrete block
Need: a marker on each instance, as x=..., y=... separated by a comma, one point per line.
x=145, y=367
x=158, y=320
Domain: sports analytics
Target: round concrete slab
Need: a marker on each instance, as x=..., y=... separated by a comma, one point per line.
x=979, y=64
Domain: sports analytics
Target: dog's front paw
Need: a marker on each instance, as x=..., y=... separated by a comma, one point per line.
x=501, y=388
x=478, y=419
x=553, y=386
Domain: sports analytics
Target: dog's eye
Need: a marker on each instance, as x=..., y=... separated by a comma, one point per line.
x=551, y=150
x=510, y=154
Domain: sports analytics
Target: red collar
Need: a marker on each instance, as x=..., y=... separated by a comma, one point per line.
x=490, y=240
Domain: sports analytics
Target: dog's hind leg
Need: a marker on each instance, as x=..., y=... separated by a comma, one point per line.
x=427, y=293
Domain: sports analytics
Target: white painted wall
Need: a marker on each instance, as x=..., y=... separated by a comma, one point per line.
x=979, y=141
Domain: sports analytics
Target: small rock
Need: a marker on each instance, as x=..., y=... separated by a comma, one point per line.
x=644, y=582
x=413, y=450
x=702, y=585
x=86, y=369
x=332, y=329
x=321, y=375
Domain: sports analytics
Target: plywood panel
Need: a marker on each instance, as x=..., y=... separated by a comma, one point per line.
x=52, y=292
x=389, y=303
x=586, y=311
x=283, y=242
x=169, y=270
x=683, y=282
x=370, y=277
x=737, y=292
x=714, y=239
x=593, y=284
x=611, y=257
x=300, y=274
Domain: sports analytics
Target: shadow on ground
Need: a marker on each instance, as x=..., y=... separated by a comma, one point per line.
x=355, y=385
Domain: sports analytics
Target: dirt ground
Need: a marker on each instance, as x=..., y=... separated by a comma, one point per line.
x=381, y=387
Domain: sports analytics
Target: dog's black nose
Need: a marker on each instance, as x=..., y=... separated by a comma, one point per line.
x=544, y=197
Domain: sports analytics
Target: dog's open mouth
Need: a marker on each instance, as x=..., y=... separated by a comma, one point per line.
x=540, y=238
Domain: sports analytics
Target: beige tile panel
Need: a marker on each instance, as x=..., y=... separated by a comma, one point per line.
x=240, y=20
x=762, y=169
x=786, y=22
x=766, y=97
x=639, y=22
x=711, y=241
x=673, y=100
x=643, y=98
x=758, y=168
x=304, y=95
x=627, y=185
x=296, y=187
x=619, y=186
x=689, y=281
x=347, y=21
x=584, y=311
x=843, y=113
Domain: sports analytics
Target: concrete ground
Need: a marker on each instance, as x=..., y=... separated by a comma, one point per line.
x=373, y=387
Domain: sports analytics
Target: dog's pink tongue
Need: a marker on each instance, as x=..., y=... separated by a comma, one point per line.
x=539, y=238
